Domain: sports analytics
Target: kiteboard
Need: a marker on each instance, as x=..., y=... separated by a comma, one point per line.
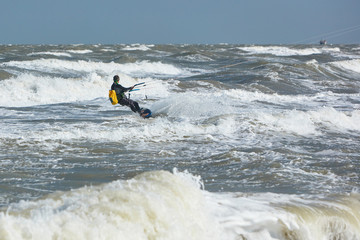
x=145, y=113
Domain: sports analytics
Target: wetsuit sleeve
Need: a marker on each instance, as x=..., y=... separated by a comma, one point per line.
x=119, y=89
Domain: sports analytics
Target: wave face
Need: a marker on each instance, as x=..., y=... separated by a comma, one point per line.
x=247, y=142
x=161, y=205
x=153, y=205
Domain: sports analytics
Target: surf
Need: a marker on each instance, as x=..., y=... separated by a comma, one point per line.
x=272, y=131
x=165, y=205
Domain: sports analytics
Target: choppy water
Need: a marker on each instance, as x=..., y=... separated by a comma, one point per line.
x=247, y=142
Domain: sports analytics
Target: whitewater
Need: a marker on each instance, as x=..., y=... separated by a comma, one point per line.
x=246, y=142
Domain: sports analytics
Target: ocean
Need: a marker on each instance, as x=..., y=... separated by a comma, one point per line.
x=245, y=142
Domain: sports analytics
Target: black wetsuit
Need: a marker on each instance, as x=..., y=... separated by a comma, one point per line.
x=122, y=99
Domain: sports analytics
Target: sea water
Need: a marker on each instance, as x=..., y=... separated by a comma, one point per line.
x=246, y=142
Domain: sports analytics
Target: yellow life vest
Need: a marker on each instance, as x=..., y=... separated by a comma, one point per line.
x=112, y=97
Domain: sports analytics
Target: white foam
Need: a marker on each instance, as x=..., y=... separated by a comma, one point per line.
x=138, y=47
x=58, y=54
x=190, y=109
x=312, y=62
x=161, y=205
x=134, y=130
x=302, y=122
x=277, y=216
x=336, y=120
x=280, y=51
x=294, y=121
x=154, y=205
x=213, y=119
x=250, y=97
x=196, y=58
x=84, y=51
x=30, y=90
x=192, y=105
x=312, y=122
x=143, y=68
x=108, y=50
x=287, y=51
x=146, y=67
x=352, y=65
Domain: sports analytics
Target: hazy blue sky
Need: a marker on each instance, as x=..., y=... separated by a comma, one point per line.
x=182, y=21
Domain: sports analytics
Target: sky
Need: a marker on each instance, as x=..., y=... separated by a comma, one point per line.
x=179, y=21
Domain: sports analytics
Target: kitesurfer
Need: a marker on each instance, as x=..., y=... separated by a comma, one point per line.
x=120, y=93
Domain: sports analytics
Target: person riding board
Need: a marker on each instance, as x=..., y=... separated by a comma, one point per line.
x=120, y=93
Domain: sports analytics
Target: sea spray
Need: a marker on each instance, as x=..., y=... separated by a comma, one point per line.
x=152, y=205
